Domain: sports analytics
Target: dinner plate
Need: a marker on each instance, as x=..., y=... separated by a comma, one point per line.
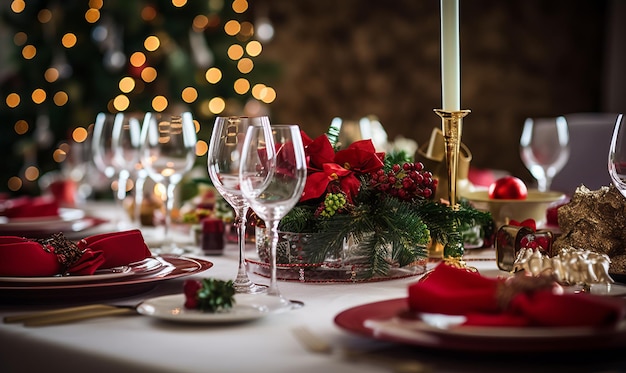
x=172, y=267
x=385, y=321
x=99, y=275
x=247, y=307
x=65, y=215
x=140, y=268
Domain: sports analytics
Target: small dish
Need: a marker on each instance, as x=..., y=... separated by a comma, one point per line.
x=535, y=206
x=247, y=307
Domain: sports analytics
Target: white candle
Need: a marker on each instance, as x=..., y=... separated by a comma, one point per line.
x=450, y=61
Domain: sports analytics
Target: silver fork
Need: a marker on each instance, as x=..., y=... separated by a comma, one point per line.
x=316, y=344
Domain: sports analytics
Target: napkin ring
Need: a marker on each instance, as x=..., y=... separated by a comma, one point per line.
x=66, y=251
x=521, y=283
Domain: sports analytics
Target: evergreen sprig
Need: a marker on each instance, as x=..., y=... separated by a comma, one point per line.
x=215, y=295
x=382, y=230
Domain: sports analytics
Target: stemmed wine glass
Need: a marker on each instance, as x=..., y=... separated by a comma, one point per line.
x=272, y=176
x=126, y=143
x=102, y=149
x=225, y=154
x=168, y=151
x=544, y=148
x=617, y=155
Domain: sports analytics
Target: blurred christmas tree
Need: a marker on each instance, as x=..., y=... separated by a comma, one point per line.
x=63, y=61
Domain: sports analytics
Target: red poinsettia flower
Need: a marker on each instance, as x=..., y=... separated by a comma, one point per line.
x=325, y=167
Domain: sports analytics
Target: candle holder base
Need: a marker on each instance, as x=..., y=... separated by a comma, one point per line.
x=452, y=127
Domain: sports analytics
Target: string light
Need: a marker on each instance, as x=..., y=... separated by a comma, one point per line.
x=235, y=52
x=79, y=134
x=245, y=65
x=92, y=15
x=242, y=86
x=126, y=84
x=189, y=95
x=44, y=16
x=151, y=43
x=60, y=98
x=217, y=105
x=213, y=75
x=29, y=52
x=38, y=96
x=17, y=6
x=159, y=103
x=13, y=100
x=59, y=155
x=232, y=27
x=20, y=38
x=254, y=48
x=51, y=75
x=121, y=102
x=201, y=148
x=21, y=127
x=149, y=74
x=143, y=68
x=69, y=40
x=14, y=184
x=31, y=173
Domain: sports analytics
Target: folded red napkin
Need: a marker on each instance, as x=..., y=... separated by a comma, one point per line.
x=22, y=257
x=29, y=207
x=504, y=302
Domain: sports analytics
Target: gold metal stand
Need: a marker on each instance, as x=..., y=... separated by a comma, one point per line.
x=452, y=125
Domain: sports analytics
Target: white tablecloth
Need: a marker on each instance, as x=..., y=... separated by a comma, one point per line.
x=143, y=344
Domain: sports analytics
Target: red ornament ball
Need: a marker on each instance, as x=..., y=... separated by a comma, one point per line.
x=508, y=187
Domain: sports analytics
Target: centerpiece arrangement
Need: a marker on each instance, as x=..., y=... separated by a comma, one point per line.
x=366, y=212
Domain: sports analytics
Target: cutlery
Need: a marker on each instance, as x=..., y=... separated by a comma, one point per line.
x=65, y=315
x=316, y=344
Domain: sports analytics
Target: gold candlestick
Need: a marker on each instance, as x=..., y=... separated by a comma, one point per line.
x=452, y=125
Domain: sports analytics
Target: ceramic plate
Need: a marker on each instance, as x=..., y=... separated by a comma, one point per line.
x=171, y=267
x=65, y=215
x=384, y=321
x=247, y=307
x=99, y=275
x=140, y=268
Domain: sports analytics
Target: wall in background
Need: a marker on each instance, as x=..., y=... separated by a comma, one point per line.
x=519, y=58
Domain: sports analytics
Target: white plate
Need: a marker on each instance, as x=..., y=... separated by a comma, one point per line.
x=65, y=218
x=451, y=325
x=247, y=307
x=140, y=268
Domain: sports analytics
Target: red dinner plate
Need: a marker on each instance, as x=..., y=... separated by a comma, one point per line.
x=483, y=339
x=173, y=267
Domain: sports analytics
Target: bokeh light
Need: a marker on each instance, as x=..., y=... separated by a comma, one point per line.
x=213, y=75
x=159, y=103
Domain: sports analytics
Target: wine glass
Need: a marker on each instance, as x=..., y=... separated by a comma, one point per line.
x=168, y=151
x=102, y=150
x=617, y=155
x=544, y=148
x=126, y=143
x=225, y=150
x=272, y=177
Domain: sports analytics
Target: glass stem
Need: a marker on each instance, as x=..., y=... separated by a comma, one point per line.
x=139, y=183
x=273, y=288
x=168, y=243
x=543, y=184
x=120, y=195
x=242, y=281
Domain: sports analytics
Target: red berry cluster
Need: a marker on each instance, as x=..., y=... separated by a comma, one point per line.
x=407, y=182
x=190, y=288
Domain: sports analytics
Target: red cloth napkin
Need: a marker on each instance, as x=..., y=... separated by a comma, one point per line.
x=456, y=291
x=29, y=207
x=21, y=257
